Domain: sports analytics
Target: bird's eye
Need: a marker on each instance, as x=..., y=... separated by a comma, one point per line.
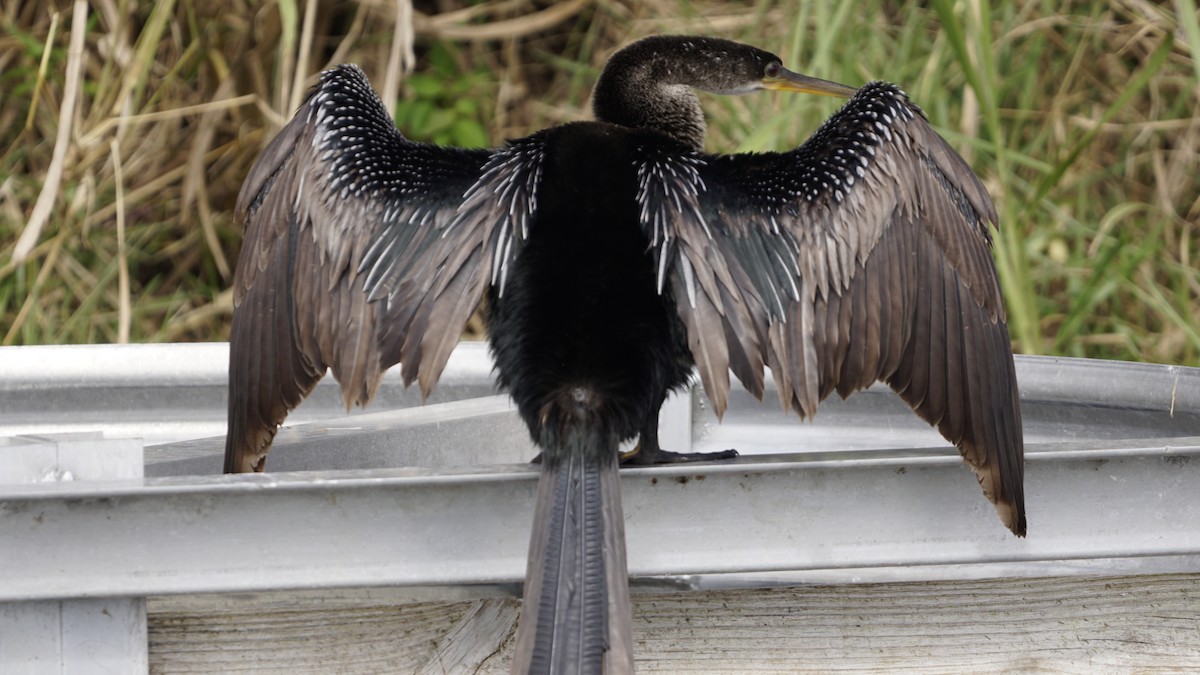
x=773, y=69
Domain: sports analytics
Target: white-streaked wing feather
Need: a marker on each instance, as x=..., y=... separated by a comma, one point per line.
x=362, y=249
x=862, y=255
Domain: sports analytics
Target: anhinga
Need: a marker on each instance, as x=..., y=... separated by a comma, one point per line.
x=616, y=255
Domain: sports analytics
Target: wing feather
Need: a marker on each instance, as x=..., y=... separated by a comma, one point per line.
x=362, y=249
x=862, y=255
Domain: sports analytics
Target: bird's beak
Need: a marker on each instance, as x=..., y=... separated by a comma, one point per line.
x=786, y=80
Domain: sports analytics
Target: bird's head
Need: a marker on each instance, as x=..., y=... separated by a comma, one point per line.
x=715, y=65
x=649, y=83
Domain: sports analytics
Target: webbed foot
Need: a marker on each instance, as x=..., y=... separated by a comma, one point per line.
x=647, y=456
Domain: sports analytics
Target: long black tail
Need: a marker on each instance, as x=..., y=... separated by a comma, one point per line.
x=575, y=612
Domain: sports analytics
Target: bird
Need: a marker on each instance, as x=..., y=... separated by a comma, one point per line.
x=614, y=257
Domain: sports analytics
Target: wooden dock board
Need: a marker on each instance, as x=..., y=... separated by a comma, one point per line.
x=1050, y=625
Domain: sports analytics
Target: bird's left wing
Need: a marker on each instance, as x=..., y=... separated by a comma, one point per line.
x=862, y=255
x=362, y=249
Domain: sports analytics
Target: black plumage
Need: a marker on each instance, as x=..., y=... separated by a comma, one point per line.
x=616, y=256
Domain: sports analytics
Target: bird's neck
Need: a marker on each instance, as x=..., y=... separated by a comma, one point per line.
x=650, y=95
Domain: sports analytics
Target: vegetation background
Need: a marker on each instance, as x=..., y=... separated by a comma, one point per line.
x=126, y=128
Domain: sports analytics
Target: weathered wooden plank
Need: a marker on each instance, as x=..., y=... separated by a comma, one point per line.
x=1059, y=625
x=477, y=637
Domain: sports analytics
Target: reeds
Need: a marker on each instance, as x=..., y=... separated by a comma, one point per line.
x=1083, y=119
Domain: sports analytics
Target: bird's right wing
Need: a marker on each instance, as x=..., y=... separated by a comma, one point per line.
x=362, y=249
x=862, y=255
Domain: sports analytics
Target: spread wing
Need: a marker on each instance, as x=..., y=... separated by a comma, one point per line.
x=362, y=250
x=862, y=255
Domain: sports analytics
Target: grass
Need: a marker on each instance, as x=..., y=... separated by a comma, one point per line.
x=1082, y=118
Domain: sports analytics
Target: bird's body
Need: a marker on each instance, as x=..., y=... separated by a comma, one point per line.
x=588, y=348
x=616, y=256
x=582, y=309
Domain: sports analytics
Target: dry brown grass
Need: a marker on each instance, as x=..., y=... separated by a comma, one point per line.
x=126, y=208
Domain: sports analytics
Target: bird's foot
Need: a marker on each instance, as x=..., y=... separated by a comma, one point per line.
x=640, y=456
